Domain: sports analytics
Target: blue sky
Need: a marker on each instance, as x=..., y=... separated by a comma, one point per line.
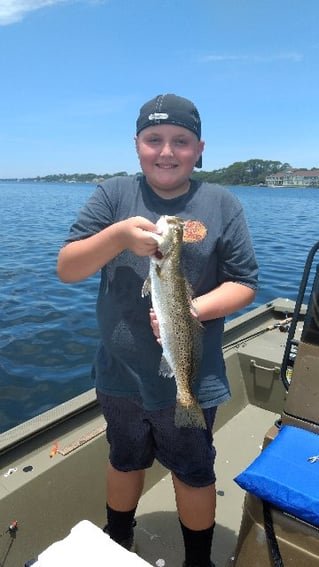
x=74, y=74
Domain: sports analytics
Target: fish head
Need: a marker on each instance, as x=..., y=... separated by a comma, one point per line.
x=171, y=236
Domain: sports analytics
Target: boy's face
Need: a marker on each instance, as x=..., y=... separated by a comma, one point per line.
x=168, y=154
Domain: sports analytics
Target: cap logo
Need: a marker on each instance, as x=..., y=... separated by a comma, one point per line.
x=158, y=116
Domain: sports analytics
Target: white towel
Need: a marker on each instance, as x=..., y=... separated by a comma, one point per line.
x=88, y=546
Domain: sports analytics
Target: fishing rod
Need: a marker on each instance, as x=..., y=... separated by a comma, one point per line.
x=12, y=531
x=283, y=326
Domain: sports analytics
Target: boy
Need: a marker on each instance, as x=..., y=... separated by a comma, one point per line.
x=112, y=234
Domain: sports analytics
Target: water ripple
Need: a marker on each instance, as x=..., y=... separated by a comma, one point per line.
x=49, y=333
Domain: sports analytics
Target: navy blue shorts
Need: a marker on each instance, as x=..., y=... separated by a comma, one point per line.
x=137, y=436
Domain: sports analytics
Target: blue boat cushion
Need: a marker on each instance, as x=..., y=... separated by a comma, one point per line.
x=284, y=476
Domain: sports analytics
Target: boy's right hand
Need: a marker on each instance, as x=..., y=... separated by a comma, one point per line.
x=138, y=238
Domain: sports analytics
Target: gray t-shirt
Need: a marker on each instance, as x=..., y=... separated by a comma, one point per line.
x=128, y=357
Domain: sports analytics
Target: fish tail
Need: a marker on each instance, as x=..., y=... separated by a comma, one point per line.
x=189, y=416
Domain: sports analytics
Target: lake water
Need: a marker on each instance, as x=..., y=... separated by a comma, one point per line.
x=48, y=329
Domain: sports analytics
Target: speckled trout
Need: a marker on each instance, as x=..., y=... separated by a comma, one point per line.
x=180, y=332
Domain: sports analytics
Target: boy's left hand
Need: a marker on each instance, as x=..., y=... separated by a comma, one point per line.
x=155, y=326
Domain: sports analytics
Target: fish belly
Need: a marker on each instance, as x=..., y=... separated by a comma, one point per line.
x=181, y=342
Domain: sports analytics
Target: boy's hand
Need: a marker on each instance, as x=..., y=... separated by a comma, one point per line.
x=138, y=237
x=155, y=326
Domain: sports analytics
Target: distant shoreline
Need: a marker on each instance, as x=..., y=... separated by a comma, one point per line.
x=251, y=173
x=100, y=180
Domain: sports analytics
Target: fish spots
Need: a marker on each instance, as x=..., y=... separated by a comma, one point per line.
x=181, y=334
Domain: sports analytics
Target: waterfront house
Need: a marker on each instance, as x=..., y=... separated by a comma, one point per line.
x=294, y=178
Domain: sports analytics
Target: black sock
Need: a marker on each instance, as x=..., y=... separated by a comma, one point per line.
x=120, y=524
x=197, y=546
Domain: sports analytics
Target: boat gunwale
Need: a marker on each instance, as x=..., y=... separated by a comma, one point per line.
x=238, y=328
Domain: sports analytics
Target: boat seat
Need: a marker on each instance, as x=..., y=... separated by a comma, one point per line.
x=286, y=476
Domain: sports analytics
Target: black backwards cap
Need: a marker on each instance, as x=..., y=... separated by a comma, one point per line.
x=170, y=109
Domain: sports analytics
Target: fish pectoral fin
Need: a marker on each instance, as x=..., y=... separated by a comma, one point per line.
x=165, y=369
x=146, y=289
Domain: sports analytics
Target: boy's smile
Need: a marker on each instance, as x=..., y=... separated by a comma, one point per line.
x=168, y=154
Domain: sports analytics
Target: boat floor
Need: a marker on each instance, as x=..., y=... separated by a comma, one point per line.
x=46, y=501
x=158, y=534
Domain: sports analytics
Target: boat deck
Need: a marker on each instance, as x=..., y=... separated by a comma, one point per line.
x=158, y=534
x=48, y=496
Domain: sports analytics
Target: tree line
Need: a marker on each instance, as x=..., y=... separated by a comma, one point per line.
x=251, y=172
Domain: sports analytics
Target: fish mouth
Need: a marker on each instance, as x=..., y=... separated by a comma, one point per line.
x=158, y=254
